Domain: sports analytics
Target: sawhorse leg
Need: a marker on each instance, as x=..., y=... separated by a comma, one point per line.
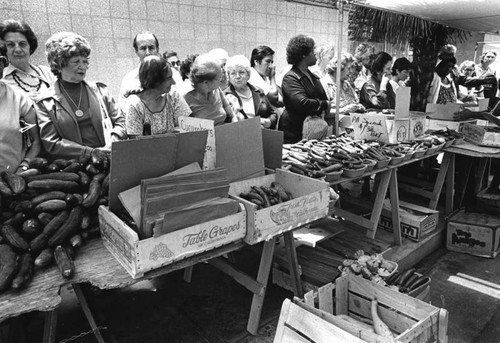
x=450, y=184
x=396, y=224
x=266, y=260
x=293, y=263
x=49, y=328
x=438, y=186
x=86, y=310
x=385, y=177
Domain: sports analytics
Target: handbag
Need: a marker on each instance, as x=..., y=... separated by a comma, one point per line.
x=315, y=127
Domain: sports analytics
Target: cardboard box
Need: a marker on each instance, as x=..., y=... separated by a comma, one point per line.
x=474, y=233
x=488, y=201
x=436, y=124
x=416, y=221
x=310, y=202
x=482, y=135
x=140, y=256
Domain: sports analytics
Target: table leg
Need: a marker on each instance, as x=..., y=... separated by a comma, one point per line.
x=86, y=310
x=481, y=170
x=465, y=181
x=450, y=183
x=438, y=185
x=266, y=260
x=293, y=262
x=49, y=327
x=396, y=224
x=379, y=202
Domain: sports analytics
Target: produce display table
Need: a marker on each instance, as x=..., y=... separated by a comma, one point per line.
x=95, y=264
x=389, y=180
x=480, y=156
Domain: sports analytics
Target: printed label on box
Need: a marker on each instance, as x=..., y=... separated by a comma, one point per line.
x=412, y=232
x=119, y=245
x=288, y=212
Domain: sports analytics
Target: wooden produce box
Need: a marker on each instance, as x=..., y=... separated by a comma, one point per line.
x=412, y=320
x=473, y=233
x=310, y=202
x=488, y=201
x=482, y=135
x=140, y=256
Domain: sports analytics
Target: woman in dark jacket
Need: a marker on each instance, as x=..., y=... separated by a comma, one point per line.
x=374, y=94
x=303, y=94
x=250, y=101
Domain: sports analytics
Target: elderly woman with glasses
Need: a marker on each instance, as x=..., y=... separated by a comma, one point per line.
x=250, y=101
x=76, y=117
x=18, y=114
x=21, y=43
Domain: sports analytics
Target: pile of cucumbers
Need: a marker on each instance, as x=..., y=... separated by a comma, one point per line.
x=47, y=212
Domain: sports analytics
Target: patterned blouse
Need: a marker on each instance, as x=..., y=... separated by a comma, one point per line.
x=163, y=121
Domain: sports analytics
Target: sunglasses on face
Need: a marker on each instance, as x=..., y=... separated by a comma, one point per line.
x=175, y=63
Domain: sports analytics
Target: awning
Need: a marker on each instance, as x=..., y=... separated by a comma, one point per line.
x=469, y=15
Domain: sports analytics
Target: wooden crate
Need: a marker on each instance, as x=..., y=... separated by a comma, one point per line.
x=411, y=319
x=140, y=256
x=310, y=202
x=472, y=233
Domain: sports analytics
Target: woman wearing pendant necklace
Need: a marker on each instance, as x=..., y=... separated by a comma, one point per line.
x=250, y=101
x=76, y=117
x=21, y=43
x=156, y=106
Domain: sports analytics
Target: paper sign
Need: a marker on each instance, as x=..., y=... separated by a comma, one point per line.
x=371, y=127
x=189, y=124
x=402, y=109
x=442, y=112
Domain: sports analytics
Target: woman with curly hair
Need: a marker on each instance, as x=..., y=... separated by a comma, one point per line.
x=156, y=106
x=76, y=117
x=21, y=43
x=305, y=99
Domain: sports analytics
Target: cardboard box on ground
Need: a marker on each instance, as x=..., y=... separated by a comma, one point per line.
x=416, y=221
x=474, y=233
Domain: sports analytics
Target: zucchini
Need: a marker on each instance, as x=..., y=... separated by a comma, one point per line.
x=64, y=262
x=39, y=163
x=53, y=195
x=15, y=240
x=8, y=266
x=15, y=182
x=44, y=258
x=55, y=223
x=51, y=206
x=54, y=185
x=63, y=176
x=70, y=227
x=24, y=273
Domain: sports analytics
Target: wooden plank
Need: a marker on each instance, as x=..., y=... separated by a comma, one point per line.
x=290, y=335
x=49, y=328
x=309, y=298
x=242, y=278
x=188, y=274
x=443, y=326
x=420, y=331
x=341, y=295
x=464, y=180
x=480, y=173
x=379, y=202
x=359, y=220
x=416, y=190
x=440, y=179
x=325, y=297
x=86, y=311
x=317, y=329
x=396, y=224
x=266, y=260
x=292, y=260
x=280, y=328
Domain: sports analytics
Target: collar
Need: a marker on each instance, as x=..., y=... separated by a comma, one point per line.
x=54, y=92
x=11, y=68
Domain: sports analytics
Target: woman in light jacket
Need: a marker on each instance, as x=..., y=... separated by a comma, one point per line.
x=76, y=117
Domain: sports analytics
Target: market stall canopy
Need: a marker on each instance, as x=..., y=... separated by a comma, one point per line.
x=468, y=15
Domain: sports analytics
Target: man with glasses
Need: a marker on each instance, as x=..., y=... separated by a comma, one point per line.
x=145, y=44
x=173, y=59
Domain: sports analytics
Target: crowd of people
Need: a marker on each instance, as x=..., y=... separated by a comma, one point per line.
x=55, y=111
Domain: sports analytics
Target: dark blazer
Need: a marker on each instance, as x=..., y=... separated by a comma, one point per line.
x=262, y=105
x=302, y=99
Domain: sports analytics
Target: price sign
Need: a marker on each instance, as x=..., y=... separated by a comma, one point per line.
x=189, y=124
x=370, y=127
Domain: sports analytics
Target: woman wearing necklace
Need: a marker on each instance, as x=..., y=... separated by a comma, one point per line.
x=76, y=117
x=21, y=44
x=155, y=104
x=250, y=101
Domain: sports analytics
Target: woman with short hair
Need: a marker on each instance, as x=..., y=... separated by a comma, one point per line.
x=18, y=112
x=206, y=99
x=21, y=43
x=156, y=106
x=305, y=99
x=76, y=117
x=263, y=73
x=373, y=94
x=249, y=100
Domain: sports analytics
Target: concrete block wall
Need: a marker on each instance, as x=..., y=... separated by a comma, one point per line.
x=186, y=26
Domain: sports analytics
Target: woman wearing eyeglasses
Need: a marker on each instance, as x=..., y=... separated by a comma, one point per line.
x=17, y=111
x=76, y=117
x=250, y=101
x=21, y=43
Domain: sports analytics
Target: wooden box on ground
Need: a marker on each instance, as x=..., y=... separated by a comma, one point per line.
x=412, y=320
x=474, y=233
x=310, y=202
x=488, y=201
x=140, y=256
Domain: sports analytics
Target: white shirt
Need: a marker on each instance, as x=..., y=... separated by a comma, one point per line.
x=257, y=80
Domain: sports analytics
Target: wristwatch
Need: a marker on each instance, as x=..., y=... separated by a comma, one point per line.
x=24, y=165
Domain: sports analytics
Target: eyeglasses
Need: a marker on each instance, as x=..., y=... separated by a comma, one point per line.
x=4, y=61
x=175, y=63
x=237, y=73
